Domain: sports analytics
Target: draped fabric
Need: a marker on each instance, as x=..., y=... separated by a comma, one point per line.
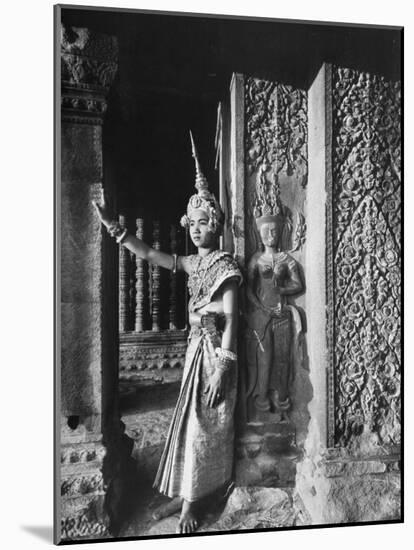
x=198, y=454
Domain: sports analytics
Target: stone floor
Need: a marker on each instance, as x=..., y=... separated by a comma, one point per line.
x=264, y=478
x=246, y=508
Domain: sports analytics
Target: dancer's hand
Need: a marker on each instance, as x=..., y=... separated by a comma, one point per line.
x=215, y=389
x=103, y=212
x=277, y=311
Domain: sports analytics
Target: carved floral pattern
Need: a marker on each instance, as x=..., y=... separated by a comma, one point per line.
x=366, y=256
x=82, y=484
x=276, y=129
x=292, y=132
x=72, y=455
x=92, y=106
x=142, y=357
x=88, y=58
x=81, y=527
x=88, y=68
x=261, y=123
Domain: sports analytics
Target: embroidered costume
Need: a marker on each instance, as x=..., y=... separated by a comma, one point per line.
x=198, y=454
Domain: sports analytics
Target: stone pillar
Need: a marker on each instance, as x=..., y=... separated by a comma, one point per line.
x=350, y=470
x=92, y=453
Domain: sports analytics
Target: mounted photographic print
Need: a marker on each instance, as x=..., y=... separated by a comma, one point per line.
x=228, y=274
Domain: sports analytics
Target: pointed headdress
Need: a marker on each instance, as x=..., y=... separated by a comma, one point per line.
x=203, y=199
x=268, y=206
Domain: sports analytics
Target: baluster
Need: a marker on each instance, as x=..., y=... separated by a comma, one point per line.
x=139, y=285
x=155, y=281
x=172, y=312
x=131, y=290
x=123, y=283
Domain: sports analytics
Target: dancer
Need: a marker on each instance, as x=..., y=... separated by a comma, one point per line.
x=198, y=456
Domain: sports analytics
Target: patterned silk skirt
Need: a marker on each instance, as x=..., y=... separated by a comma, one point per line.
x=198, y=455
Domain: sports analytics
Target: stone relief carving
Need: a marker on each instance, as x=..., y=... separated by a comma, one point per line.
x=273, y=324
x=81, y=526
x=276, y=146
x=88, y=58
x=292, y=132
x=73, y=455
x=261, y=123
x=159, y=357
x=276, y=128
x=82, y=484
x=366, y=251
x=88, y=68
x=299, y=236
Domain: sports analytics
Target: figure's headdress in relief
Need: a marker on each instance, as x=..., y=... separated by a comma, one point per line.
x=267, y=207
x=203, y=199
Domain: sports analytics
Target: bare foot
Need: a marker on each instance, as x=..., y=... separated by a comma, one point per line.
x=188, y=522
x=167, y=509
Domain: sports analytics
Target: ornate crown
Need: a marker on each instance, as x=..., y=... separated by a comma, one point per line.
x=267, y=207
x=203, y=199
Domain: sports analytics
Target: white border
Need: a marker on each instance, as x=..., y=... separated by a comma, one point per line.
x=26, y=274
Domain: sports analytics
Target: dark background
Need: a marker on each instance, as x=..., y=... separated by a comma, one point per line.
x=173, y=71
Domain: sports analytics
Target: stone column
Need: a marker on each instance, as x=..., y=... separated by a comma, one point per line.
x=92, y=453
x=350, y=470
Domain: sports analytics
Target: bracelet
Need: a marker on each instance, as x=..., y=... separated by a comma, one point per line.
x=226, y=359
x=174, y=269
x=114, y=228
x=226, y=354
x=116, y=231
x=122, y=236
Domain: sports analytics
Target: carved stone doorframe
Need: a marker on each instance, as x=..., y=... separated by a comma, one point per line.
x=351, y=454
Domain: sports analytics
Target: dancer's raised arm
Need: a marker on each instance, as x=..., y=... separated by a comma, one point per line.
x=135, y=245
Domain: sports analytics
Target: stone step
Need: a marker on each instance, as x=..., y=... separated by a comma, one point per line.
x=266, y=470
